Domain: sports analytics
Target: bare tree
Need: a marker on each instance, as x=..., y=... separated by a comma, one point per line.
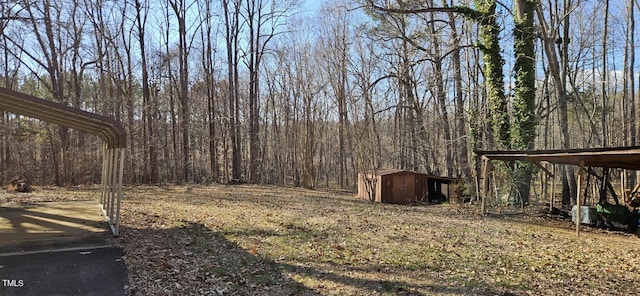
x=604, y=86
x=264, y=19
x=556, y=48
x=45, y=25
x=335, y=43
x=437, y=61
x=207, y=39
x=141, y=10
x=628, y=104
x=461, y=142
x=231, y=34
x=179, y=8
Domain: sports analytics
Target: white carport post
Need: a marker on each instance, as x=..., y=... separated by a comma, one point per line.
x=111, y=195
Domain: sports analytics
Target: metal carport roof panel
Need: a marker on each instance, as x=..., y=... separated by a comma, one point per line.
x=109, y=130
x=607, y=157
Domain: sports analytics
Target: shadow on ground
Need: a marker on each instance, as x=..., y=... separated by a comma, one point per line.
x=50, y=225
x=195, y=260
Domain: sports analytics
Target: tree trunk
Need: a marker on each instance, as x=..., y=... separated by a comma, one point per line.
x=493, y=63
x=460, y=146
x=232, y=29
x=151, y=165
x=442, y=101
x=254, y=22
x=603, y=85
x=631, y=97
x=179, y=9
x=211, y=92
x=523, y=131
x=558, y=68
x=52, y=57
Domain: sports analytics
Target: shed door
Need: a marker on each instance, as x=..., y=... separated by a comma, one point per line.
x=403, y=189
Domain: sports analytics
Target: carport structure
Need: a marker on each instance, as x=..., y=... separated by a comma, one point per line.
x=109, y=130
x=606, y=157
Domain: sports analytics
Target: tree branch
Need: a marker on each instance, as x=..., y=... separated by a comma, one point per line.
x=466, y=11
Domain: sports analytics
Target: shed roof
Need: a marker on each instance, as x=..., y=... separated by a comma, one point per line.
x=109, y=130
x=608, y=157
x=384, y=172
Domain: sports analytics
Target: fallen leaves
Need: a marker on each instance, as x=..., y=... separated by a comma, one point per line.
x=48, y=194
x=260, y=240
x=254, y=249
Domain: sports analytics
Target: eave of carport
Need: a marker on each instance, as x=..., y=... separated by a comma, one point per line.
x=606, y=157
x=612, y=157
x=109, y=130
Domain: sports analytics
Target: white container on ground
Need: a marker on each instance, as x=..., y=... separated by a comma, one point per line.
x=588, y=215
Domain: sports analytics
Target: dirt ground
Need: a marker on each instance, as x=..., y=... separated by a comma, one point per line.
x=262, y=240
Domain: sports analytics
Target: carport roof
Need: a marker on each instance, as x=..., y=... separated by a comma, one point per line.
x=607, y=157
x=109, y=130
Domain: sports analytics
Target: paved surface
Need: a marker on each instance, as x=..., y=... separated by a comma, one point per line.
x=50, y=224
x=58, y=248
x=94, y=271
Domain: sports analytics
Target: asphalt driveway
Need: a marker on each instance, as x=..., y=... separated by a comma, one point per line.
x=81, y=271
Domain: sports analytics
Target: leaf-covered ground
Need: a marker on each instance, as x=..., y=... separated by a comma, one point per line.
x=47, y=194
x=251, y=240
x=257, y=240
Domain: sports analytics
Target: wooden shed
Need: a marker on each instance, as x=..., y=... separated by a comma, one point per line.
x=397, y=186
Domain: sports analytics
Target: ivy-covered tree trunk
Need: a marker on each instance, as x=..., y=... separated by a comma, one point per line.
x=521, y=134
x=493, y=63
x=524, y=121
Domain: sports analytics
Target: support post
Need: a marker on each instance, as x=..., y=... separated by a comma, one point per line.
x=485, y=185
x=103, y=181
x=116, y=224
x=111, y=195
x=623, y=185
x=579, y=197
x=552, y=192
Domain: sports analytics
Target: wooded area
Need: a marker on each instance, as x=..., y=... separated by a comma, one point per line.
x=265, y=91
